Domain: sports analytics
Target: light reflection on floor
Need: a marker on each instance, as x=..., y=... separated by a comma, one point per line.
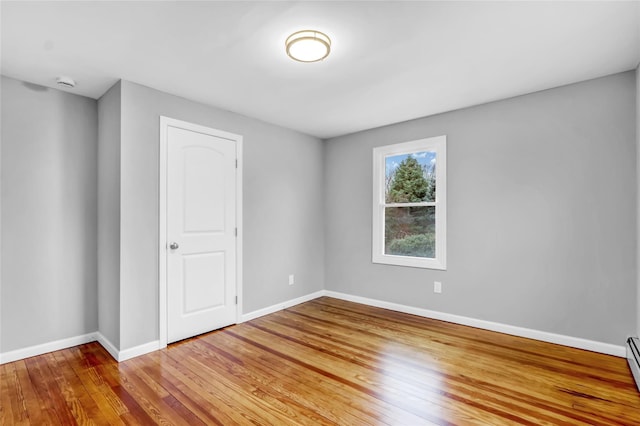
x=412, y=380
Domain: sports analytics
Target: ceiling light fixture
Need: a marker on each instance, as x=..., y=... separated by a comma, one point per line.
x=308, y=46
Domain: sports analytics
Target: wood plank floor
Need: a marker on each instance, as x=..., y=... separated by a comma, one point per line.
x=326, y=362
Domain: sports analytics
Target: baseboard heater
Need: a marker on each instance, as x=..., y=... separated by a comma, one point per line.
x=633, y=358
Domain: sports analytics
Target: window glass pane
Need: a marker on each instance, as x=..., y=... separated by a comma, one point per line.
x=410, y=178
x=410, y=231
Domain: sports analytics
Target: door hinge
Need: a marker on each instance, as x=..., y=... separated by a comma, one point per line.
x=236, y=300
x=236, y=163
x=236, y=232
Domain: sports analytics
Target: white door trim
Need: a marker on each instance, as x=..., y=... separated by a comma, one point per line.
x=165, y=123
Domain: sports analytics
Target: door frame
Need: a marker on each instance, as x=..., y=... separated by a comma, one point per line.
x=165, y=123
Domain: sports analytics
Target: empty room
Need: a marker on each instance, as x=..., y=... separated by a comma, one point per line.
x=319, y=212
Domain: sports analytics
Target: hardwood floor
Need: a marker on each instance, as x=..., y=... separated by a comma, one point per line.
x=326, y=362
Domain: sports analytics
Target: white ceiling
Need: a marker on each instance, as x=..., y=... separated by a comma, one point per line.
x=391, y=61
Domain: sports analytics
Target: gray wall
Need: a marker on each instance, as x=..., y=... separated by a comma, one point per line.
x=529, y=242
x=283, y=207
x=109, y=114
x=638, y=185
x=541, y=212
x=49, y=262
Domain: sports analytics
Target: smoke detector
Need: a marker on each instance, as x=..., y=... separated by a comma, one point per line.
x=65, y=81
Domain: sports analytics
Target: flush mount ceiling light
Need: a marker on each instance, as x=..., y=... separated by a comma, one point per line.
x=308, y=46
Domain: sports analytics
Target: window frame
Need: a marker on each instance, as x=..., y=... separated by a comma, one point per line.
x=437, y=144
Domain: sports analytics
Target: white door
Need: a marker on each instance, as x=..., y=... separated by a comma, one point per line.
x=201, y=230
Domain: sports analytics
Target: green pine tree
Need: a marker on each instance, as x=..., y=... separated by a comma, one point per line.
x=409, y=184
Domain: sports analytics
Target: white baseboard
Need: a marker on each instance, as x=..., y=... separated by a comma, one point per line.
x=107, y=345
x=138, y=350
x=44, y=348
x=280, y=306
x=574, y=342
x=127, y=353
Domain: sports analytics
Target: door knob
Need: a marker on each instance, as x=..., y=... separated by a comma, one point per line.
x=173, y=245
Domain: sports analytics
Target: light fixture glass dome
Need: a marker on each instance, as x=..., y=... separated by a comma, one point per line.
x=308, y=46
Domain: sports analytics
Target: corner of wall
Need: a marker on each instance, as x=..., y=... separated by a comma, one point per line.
x=109, y=140
x=1, y=79
x=638, y=195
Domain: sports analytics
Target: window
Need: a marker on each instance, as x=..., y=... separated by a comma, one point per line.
x=409, y=203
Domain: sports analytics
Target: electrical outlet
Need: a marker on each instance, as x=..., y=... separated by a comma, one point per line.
x=437, y=287
x=291, y=280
